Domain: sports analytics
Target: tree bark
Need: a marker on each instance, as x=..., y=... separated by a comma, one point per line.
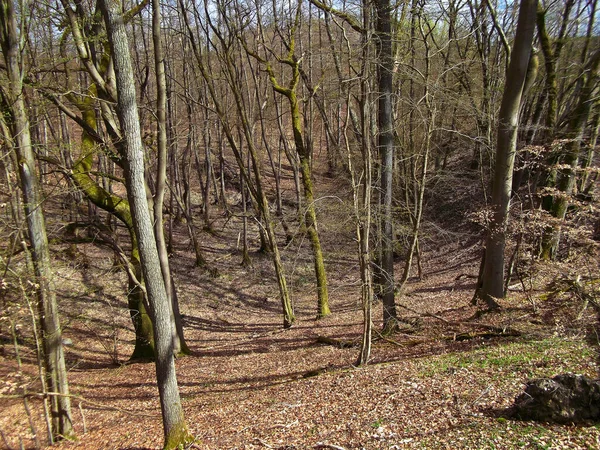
x=551, y=57
x=566, y=177
x=179, y=345
x=493, y=271
x=175, y=429
x=14, y=105
x=310, y=216
x=385, y=144
x=362, y=196
x=119, y=208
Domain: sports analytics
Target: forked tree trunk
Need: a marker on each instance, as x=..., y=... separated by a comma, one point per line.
x=310, y=217
x=14, y=106
x=81, y=175
x=493, y=271
x=175, y=429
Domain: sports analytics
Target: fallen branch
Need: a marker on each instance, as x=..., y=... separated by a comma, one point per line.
x=8, y=446
x=410, y=343
x=387, y=339
x=435, y=316
x=504, y=331
x=483, y=334
x=336, y=342
x=320, y=445
x=81, y=399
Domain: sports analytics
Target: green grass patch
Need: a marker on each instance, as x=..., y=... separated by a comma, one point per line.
x=561, y=354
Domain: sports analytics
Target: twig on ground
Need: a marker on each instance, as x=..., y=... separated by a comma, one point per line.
x=435, y=316
x=320, y=446
x=336, y=342
x=286, y=425
x=263, y=443
x=8, y=446
x=387, y=339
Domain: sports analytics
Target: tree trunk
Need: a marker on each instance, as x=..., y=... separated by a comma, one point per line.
x=54, y=359
x=420, y=185
x=586, y=164
x=144, y=348
x=256, y=190
x=310, y=216
x=175, y=429
x=551, y=57
x=385, y=144
x=493, y=271
x=179, y=345
x=118, y=207
x=362, y=200
x=566, y=176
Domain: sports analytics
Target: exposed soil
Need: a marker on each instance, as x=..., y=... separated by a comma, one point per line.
x=441, y=382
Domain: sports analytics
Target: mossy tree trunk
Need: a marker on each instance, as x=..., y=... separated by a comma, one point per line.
x=118, y=207
x=144, y=348
x=566, y=177
x=551, y=51
x=551, y=56
x=94, y=108
x=588, y=178
x=303, y=151
x=310, y=217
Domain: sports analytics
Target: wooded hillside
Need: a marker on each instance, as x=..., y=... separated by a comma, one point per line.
x=309, y=224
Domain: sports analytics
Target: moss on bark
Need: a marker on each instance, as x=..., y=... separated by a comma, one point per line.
x=179, y=437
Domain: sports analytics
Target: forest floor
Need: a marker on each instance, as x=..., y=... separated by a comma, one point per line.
x=441, y=382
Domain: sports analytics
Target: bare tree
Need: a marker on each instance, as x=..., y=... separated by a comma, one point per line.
x=175, y=429
x=385, y=147
x=223, y=50
x=12, y=40
x=179, y=345
x=493, y=270
x=362, y=186
x=303, y=150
